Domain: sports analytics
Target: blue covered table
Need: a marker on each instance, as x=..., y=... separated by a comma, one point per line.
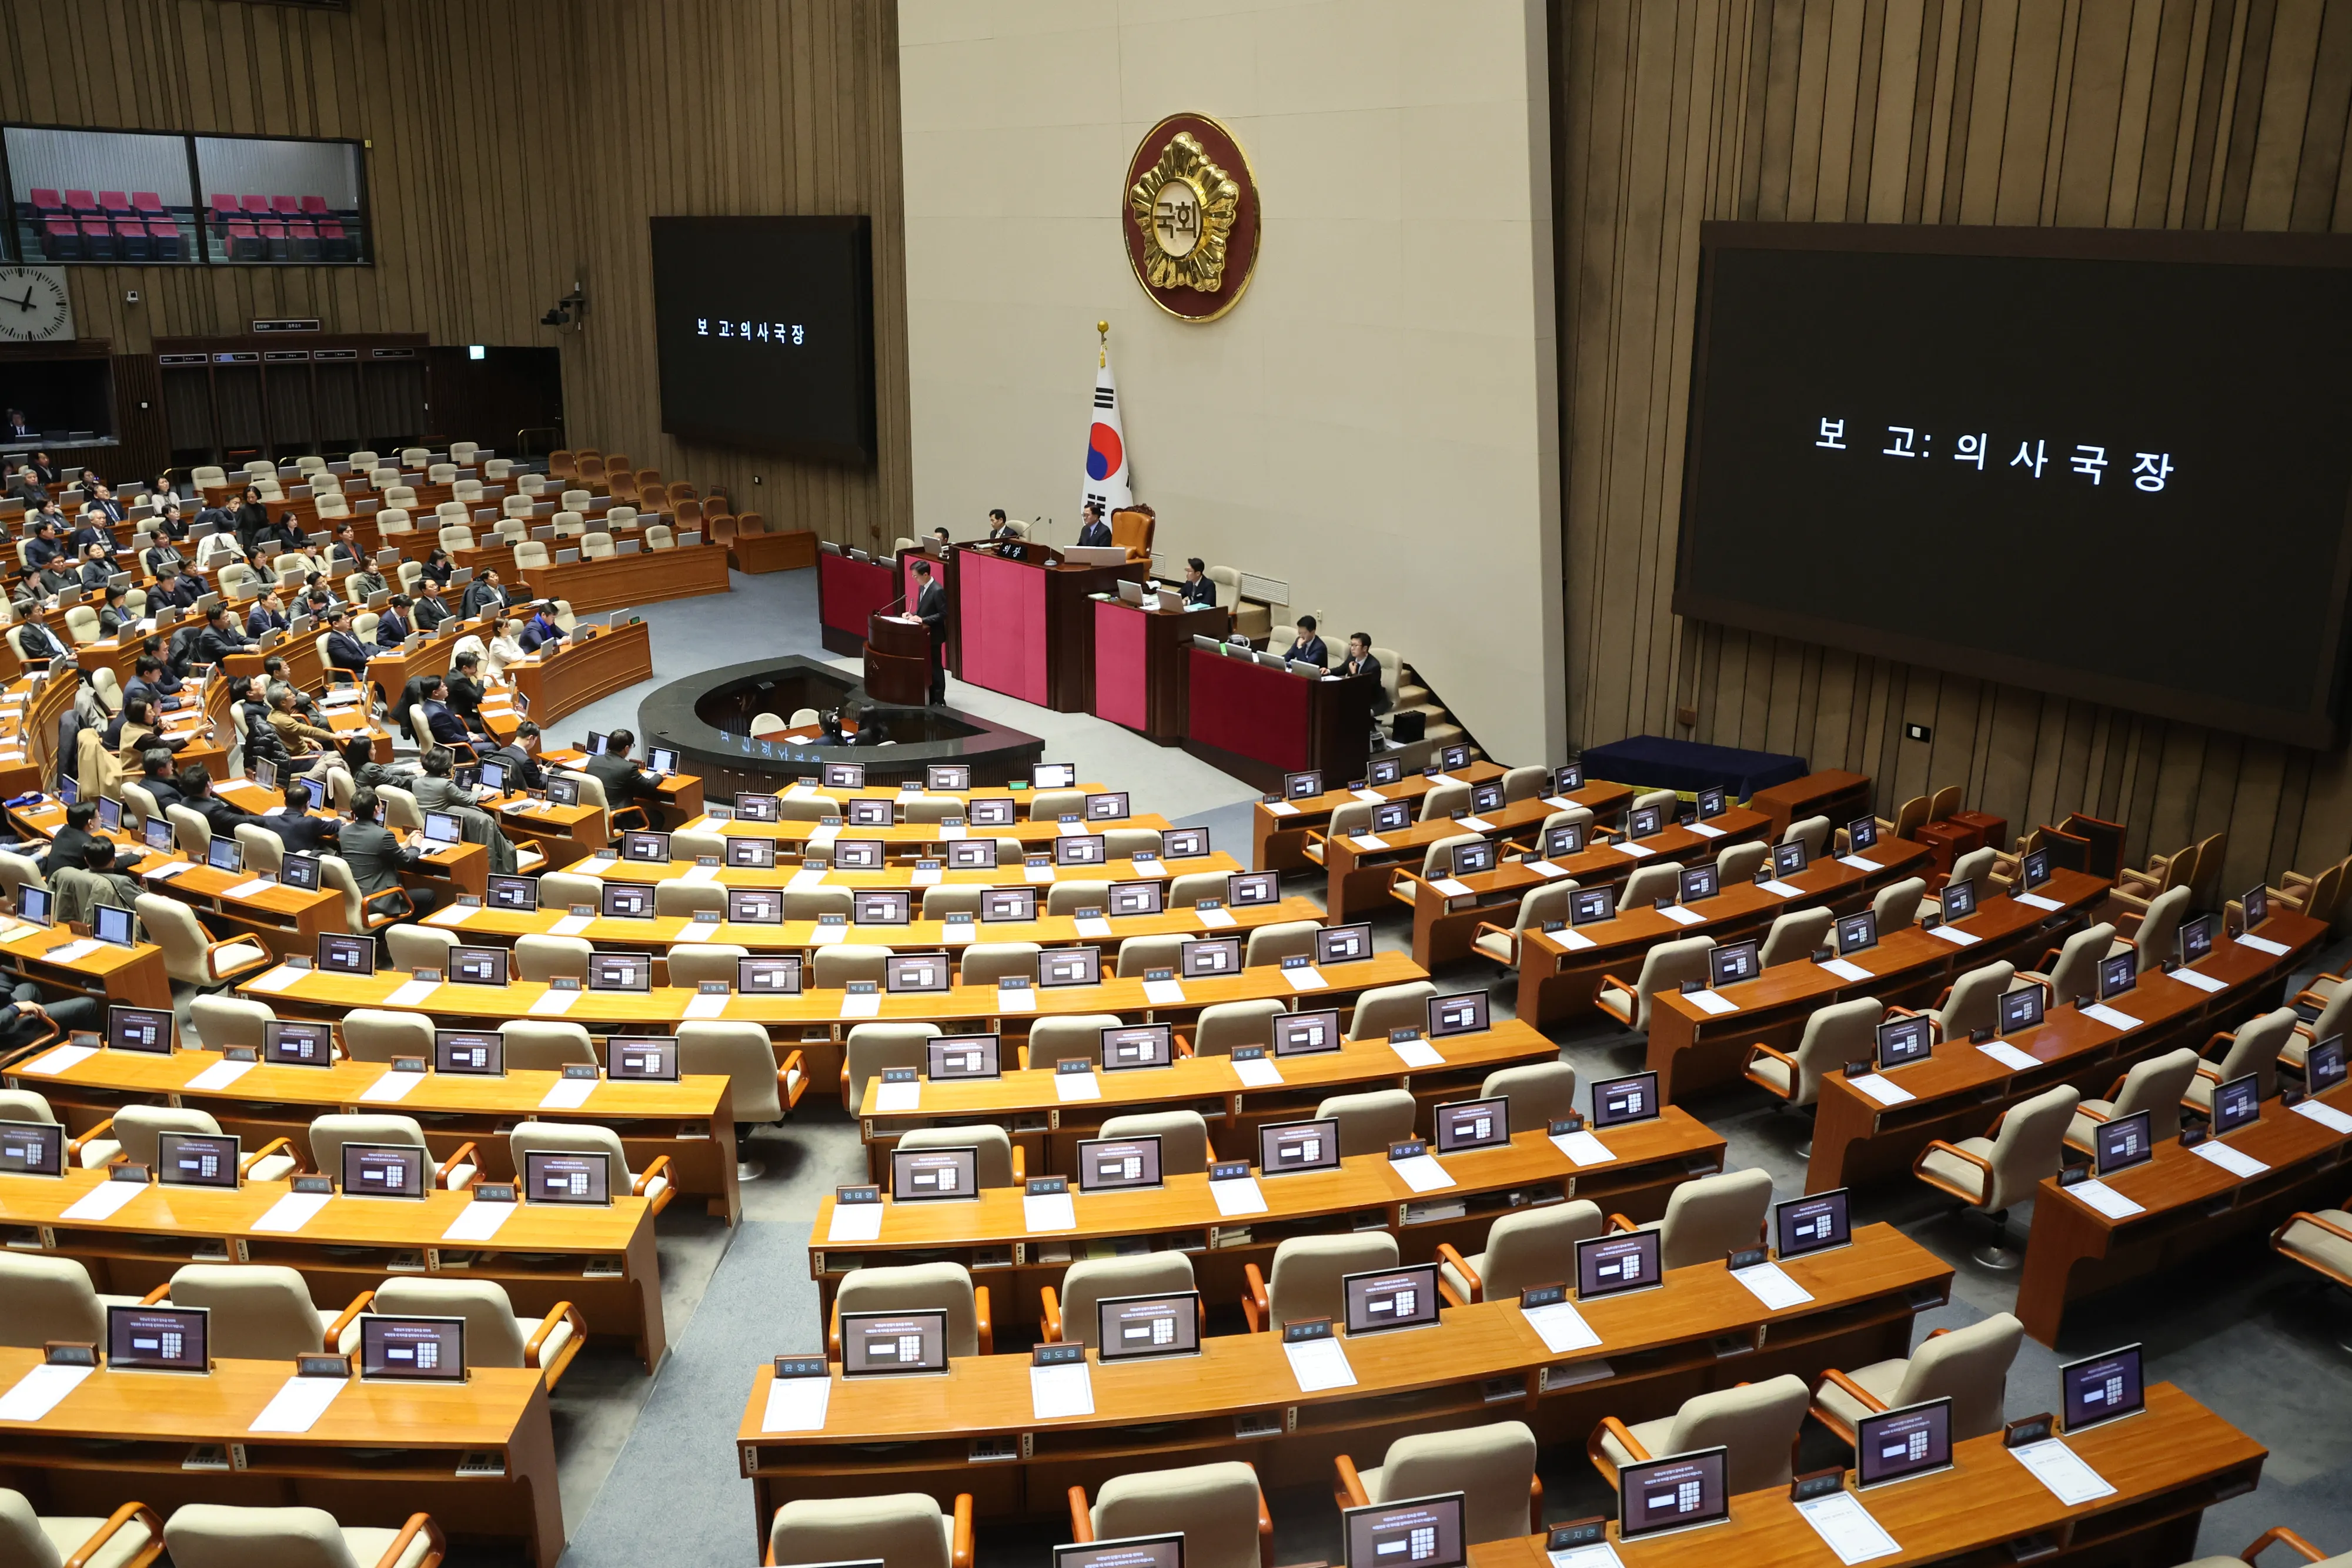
x=1685, y=766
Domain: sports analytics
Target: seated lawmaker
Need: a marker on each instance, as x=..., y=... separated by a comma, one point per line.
x=1308, y=648
x=1094, y=532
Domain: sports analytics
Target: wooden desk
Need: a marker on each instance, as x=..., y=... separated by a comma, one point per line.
x=1702, y=1331
x=120, y=1432
x=1958, y=1090
x=582, y=671
x=1559, y=976
x=622, y=581
x=904, y=874
x=1258, y=723
x=564, y=834
x=691, y=1120
x=1832, y=792
x=912, y=838
x=2192, y=1204
x=1026, y=629
x=1693, y=1051
x=1142, y=676
x=135, y=975
x=991, y=1237
x=1444, y=925
x=541, y=1255
x=2167, y=1466
x=1278, y=838
x=1027, y=1103
x=791, y=551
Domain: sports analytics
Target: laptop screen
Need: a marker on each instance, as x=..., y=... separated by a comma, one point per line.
x=2196, y=937
x=2101, y=1388
x=1422, y=1532
x=1383, y=1299
x=2237, y=1103
x=420, y=1350
x=1284, y=1148
x=1697, y=882
x=894, y=1344
x=1678, y=1494
x=869, y=813
x=755, y=807
x=1136, y=1328
x=1111, y=806
x=1896, y=1445
x=158, y=1339
x=441, y=828
x=1591, y=905
x=301, y=871
x=1814, y=1223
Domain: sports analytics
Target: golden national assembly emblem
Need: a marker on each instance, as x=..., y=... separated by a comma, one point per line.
x=1192, y=218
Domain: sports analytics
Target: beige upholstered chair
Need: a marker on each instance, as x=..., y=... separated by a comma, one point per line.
x=190, y=958
x=417, y=947
x=330, y=1131
x=652, y=1184
x=903, y=1530
x=1897, y=904
x=1992, y=1174
x=1218, y=1506
x=1070, y=1315
x=1795, y=934
x=1283, y=939
x=1756, y=1421
x=543, y=959
x=262, y=1312
x=690, y=964
x=986, y=963
x=1070, y=897
x=1066, y=1038
x=1970, y=1365
x=2253, y=1047
x=1183, y=1137
x=545, y=1045
x=760, y=1091
x=88, y=1151
x=1652, y=881
x=1370, y=1120
x=494, y=1335
x=2155, y=1084
x=2303, y=1549
x=1663, y=968
x=1442, y=802
x=1708, y=1218
x=1493, y=1466
x=839, y=963
x=1813, y=832
x=1841, y=1032
x=1664, y=800
x=1736, y=864
x=873, y=1049
x=997, y=1163
x=916, y=1287
x=1539, y=1092
x=1225, y=1025
x=1384, y=1008
x=221, y=1021
x=136, y=1128
x=1973, y=1000
x=1306, y=1271
x=2075, y=969
x=1139, y=956
x=130, y=1537
x=1537, y=906
x=213, y=1535
x=44, y=1298
x=2319, y=1239
x=1524, y=1247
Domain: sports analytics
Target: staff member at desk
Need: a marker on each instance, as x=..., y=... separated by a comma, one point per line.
x=377, y=857
x=625, y=783
x=1308, y=648
x=1094, y=532
x=1359, y=662
x=998, y=528
x=931, y=608
x=1197, y=588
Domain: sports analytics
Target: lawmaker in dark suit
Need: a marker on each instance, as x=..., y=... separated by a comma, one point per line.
x=430, y=607
x=33, y=640
x=539, y=631
x=466, y=690
x=220, y=637
x=625, y=782
x=268, y=615
x=71, y=846
x=197, y=795
x=931, y=608
x=1095, y=531
x=1359, y=662
x=482, y=593
x=345, y=652
x=1308, y=649
x=520, y=756
x=390, y=627
x=303, y=833
x=1197, y=589
x=377, y=857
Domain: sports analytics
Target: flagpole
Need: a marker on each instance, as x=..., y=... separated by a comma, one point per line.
x=1102, y=356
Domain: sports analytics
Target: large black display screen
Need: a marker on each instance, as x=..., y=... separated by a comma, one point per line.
x=2110, y=466
x=765, y=332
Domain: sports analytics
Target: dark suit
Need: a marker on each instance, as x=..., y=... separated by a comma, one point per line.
x=430, y=611
x=218, y=643
x=377, y=857
x=1201, y=592
x=165, y=792
x=390, y=630
x=162, y=555
x=523, y=771
x=466, y=700
x=625, y=782
x=1311, y=653
x=479, y=596
x=1095, y=534
x=40, y=552
x=261, y=620
x=538, y=632
x=304, y=834
x=931, y=606
x=35, y=639
x=71, y=845
x=448, y=729
x=347, y=652
x=220, y=816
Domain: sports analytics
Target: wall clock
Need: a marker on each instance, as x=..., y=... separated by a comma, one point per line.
x=33, y=305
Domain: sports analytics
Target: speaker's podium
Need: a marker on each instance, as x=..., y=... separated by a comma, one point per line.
x=1026, y=629
x=897, y=660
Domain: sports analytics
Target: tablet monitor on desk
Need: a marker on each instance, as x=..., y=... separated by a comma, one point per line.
x=562, y=791
x=1898, y=1444
x=1126, y=1551
x=301, y=871
x=1129, y=1046
x=2034, y=868
x=1904, y=1041
x=1137, y=897
x=1081, y=849
x=1618, y=1101
x=894, y=1344
x=287, y=1044
x=661, y=760
x=553, y=1176
x=1284, y=1148
x=491, y=776
x=2119, y=1145
x=159, y=836
x=845, y=776
x=967, y=854
x=1379, y=1300
x=158, y=1339
x=768, y=976
x=858, y=854
x=1817, y=1222
x=1184, y=843
x=952, y=777
x=991, y=811
x=225, y=854
x=2117, y=974
x=2196, y=937
x=595, y=746
x=2324, y=1065
x=1659, y=1497
x=1957, y=900
x=1343, y=944
x=2021, y=1010
x=479, y=1053
x=643, y=1059
x=882, y=906
x=1486, y=797
x=1787, y=860
x=621, y=972
x=2101, y=1388
x=1465, y=858
x=754, y=906
x=1210, y=957
x=109, y=815
x=1421, y=1532
x=1856, y=933
x=412, y=1350
x=754, y=807
x=1140, y=1328
x=1308, y=1034
x=1384, y=771
x=1118, y=1164
x=1107, y=807
x=1733, y=962
x=1392, y=817
x=1566, y=840
x=1069, y=967
x=952, y=1056
x=1001, y=904
x=864, y=813
x=1592, y=905
x=1244, y=888
x=2237, y=1103
x=1302, y=786
x=1483, y=1123
x=139, y=1028
x=1612, y=1265
x=385, y=1170
x=905, y=972
x=197, y=1159
x=520, y=893
x=926, y=1176
x=1463, y=1013
x=1054, y=776
x=32, y=1148
x=1643, y=821
x=347, y=955
x=442, y=832
x=627, y=900
x=756, y=854
x=1695, y=882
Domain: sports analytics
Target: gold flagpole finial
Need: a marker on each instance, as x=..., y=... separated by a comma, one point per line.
x=1103, y=355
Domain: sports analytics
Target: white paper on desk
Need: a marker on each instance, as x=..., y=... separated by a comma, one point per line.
x=957, y=934
x=854, y=1222
x=1859, y=863
x=1277, y=809
x=1569, y=937
x=548, y=1003
x=1163, y=993
x=38, y=1392
x=1306, y=978
x=2263, y=944
x=1320, y=1363
x=2110, y=1016
x=1769, y=1285
x=1626, y=846
x=1042, y=1212
x=168, y=870
x=1215, y=919
x=2237, y=1162
x=595, y=865
x=1712, y=1002
x=1369, y=797
x=1078, y=830
x=1449, y=887
x=2206, y=983
x=1884, y=1090
x=2008, y=1056
x=453, y=914
x=1093, y=926
x=1476, y=824
x=391, y=1086
x=926, y=876
x=1707, y=830
x=1422, y=1173
x=1582, y=1148
x=1843, y=970
x=2035, y=901
x=1681, y=915
x=219, y=1075
x=1561, y=803
x=2327, y=1116
x=412, y=993
x=66, y=952
x=806, y=877
x=567, y=1094
x=298, y=1403
x=103, y=1200
x=826, y=935
x=1237, y=1196
x=700, y=1005
x=292, y=1212
x=1063, y=1390
x=1543, y=868
x=703, y=873
x=248, y=888
x=1023, y=1000
x=1846, y=1527
x=2060, y=1469
x=1417, y=1053
x=1038, y=873
x=1955, y=935
x=897, y=1099
x=696, y=931
x=1368, y=841
x=862, y=1005
x=801, y=792
x=63, y=1059
x=1779, y=889
x=572, y=926
x=1258, y=1072
x=797, y=1404
x=1600, y=1556
x=1561, y=1327
x=1069, y=1087
x=2099, y=1195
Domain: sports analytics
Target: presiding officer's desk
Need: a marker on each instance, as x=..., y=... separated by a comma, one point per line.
x=692, y=1121
x=1027, y=1103
x=379, y=1452
x=2189, y=1205
x=1697, y=1045
x=1703, y=1330
x=989, y=1235
x=1278, y=829
x=1955, y=1093
x=1560, y=971
x=2167, y=1465
x=600, y=1260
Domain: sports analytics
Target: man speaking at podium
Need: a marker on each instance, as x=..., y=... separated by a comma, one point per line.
x=931, y=610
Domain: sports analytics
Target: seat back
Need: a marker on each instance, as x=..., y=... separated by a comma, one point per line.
x=1713, y=1215
x=1183, y=1137
x=190, y=834
x=842, y=962
x=1539, y=1092
x=1303, y=1282
x=44, y=1298
x=986, y=963
x=1226, y=1025
x=217, y=1535
x=2160, y=928
x=690, y=964
x=137, y=1126
x=260, y=1311
x=1756, y=1421
x=1283, y=939
x=417, y=947
x=916, y=1287
x=1384, y=1008
x=1549, y=902
x=1215, y=1505
x=992, y=1146
x=740, y=1053
x=1090, y=1279
x=1813, y=832
x=1070, y=897
x=1975, y=866
x=543, y=959
x=1494, y=1468
x=1740, y=862
x=2156, y=1085
x=1139, y=956
x=1795, y=934
x=1664, y=968
x=570, y=1138
x=2255, y=1048
x=1649, y=883
x=1841, y=1032
x=1444, y=802
x=873, y=1047
x=545, y=1045
x=903, y=1530
x=1536, y=1247
x=1897, y=904
x=1975, y=999
x=2030, y=1145
x=1518, y=783
x=264, y=851
x=1371, y=1120
x=563, y=889
x=330, y=1131
x=1970, y=1367
x=2077, y=973
x=1067, y=1038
